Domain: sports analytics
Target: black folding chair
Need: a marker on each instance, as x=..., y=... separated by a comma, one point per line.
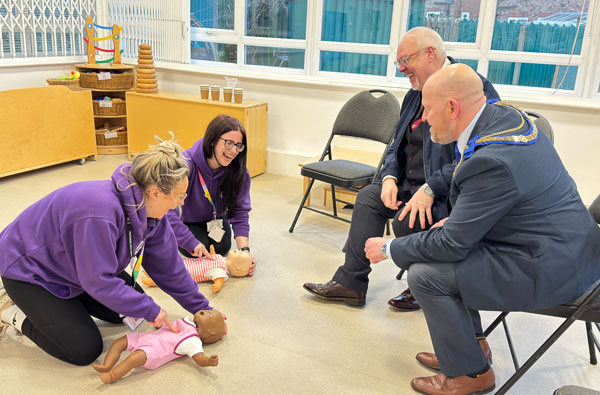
x=364, y=116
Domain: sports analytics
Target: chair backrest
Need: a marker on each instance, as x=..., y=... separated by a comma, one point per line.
x=542, y=124
x=368, y=116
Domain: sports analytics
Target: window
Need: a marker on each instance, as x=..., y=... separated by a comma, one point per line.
x=539, y=46
x=43, y=29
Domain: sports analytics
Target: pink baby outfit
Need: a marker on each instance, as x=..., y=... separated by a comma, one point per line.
x=162, y=345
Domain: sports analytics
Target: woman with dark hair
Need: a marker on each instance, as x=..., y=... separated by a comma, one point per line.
x=218, y=192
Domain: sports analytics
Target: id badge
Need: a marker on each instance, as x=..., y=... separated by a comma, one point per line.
x=132, y=323
x=215, y=223
x=216, y=233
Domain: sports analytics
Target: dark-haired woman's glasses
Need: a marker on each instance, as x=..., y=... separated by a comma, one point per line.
x=239, y=147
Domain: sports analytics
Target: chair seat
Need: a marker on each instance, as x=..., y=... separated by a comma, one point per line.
x=340, y=172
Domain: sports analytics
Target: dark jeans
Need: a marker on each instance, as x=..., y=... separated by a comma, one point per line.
x=368, y=220
x=63, y=328
x=199, y=231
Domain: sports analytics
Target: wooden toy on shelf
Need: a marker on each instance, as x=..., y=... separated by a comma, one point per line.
x=146, y=73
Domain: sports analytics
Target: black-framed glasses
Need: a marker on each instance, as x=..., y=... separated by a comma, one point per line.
x=239, y=147
x=405, y=60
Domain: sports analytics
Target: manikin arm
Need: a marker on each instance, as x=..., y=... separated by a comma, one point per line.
x=203, y=360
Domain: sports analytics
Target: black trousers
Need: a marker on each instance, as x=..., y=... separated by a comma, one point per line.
x=63, y=328
x=200, y=232
x=368, y=220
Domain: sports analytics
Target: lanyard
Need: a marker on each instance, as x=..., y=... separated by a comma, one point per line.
x=207, y=194
x=133, y=254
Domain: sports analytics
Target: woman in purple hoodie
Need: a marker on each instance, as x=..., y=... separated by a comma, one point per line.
x=63, y=259
x=218, y=192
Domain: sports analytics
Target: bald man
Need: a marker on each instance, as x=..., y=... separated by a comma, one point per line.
x=415, y=178
x=518, y=237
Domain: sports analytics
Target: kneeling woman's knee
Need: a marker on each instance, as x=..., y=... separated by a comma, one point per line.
x=85, y=349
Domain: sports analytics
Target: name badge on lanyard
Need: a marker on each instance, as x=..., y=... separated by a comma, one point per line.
x=214, y=227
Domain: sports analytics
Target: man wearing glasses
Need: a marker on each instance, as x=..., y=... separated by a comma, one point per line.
x=415, y=178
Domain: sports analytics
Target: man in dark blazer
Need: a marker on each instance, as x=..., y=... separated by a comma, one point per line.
x=414, y=178
x=518, y=237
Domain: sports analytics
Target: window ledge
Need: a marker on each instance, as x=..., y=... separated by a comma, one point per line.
x=41, y=61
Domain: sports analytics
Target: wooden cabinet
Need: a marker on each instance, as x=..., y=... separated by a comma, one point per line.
x=110, y=123
x=44, y=126
x=187, y=116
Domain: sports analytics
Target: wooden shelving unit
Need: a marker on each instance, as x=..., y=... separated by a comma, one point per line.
x=112, y=121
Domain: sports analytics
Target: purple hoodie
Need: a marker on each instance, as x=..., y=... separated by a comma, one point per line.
x=66, y=243
x=197, y=208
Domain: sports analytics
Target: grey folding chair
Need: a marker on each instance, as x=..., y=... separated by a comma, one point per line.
x=585, y=308
x=369, y=115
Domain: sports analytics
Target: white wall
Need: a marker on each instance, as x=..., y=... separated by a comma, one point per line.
x=301, y=115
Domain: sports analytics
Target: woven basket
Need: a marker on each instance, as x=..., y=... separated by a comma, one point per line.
x=118, y=108
x=71, y=84
x=117, y=81
x=101, y=140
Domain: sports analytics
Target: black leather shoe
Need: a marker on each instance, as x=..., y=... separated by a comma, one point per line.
x=405, y=301
x=336, y=292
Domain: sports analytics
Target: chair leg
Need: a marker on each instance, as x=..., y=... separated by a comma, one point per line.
x=399, y=275
x=592, y=343
x=306, y=194
x=511, y=347
x=537, y=354
x=333, y=200
x=387, y=228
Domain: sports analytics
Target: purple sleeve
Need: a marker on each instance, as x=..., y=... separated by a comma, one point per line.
x=92, y=242
x=165, y=266
x=185, y=237
x=240, y=220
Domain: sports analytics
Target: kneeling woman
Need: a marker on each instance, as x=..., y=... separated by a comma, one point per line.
x=218, y=192
x=63, y=259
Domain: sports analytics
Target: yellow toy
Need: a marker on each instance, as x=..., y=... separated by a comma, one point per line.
x=73, y=76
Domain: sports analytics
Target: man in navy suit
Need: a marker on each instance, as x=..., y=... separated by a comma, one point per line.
x=414, y=182
x=518, y=237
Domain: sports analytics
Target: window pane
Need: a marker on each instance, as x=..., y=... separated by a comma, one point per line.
x=454, y=20
x=537, y=27
x=357, y=21
x=472, y=63
x=531, y=74
x=356, y=63
x=214, y=14
x=277, y=57
x=276, y=18
x=202, y=50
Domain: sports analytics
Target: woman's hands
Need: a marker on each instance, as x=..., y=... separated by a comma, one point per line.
x=163, y=318
x=200, y=251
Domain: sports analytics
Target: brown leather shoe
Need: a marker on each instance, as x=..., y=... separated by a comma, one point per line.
x=462, y=385
x=334, y=291
x=405, y=301
x=429, y=359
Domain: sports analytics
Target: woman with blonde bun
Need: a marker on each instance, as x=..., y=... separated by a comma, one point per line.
x=63, y=258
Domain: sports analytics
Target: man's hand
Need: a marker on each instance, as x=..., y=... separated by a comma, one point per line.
x=200, y=251
x=419, y=204
x=163, y=318
x=440, y=223
x=373, y=249
x=389, y=194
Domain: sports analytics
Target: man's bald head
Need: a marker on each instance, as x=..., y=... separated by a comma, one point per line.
x=452, y=97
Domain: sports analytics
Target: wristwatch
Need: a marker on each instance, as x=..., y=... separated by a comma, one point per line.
x=384, y=249
x=245, y=249
x=428, y=191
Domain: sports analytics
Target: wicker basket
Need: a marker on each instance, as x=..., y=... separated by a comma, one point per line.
x=71, y=84
x=118, y=107
x=117, y=81
x=101, y=139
